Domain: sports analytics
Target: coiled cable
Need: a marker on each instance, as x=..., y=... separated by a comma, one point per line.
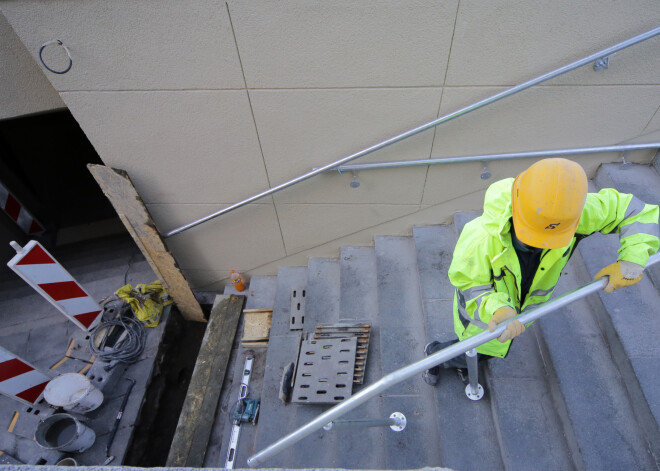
x=129, y=345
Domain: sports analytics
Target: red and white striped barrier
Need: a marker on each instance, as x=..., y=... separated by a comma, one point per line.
x=18, y=213
x=40, y=270
x=19, y=380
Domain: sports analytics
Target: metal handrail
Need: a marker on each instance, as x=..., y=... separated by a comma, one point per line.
x=490, y=157
x=422, y=365
x=498, y=96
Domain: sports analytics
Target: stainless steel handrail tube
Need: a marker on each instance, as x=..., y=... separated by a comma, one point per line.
x=498, y=96
x=422, y=365
x=491, y=157
x=361, y=423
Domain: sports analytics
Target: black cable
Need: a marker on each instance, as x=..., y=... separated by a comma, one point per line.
x=129, y=349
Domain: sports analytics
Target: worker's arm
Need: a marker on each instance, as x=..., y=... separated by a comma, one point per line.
x=637, y=224
x=471, y=274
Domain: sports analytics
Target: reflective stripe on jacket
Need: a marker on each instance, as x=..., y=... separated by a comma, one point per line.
x=486, y=273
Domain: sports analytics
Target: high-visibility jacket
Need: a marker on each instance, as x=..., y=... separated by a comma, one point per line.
x=486, y=273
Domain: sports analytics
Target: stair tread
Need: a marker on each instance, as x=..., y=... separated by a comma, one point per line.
x=595, y=397
x=402, y=337
x=276, y=419
x=359, y=301
x=434, y=246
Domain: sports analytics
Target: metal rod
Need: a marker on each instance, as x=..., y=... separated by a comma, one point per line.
x=498, y=96
x=473, y=370
x=361, y=423
x=423, y=365
x=490, y=157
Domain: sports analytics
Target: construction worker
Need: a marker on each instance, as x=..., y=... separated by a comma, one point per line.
x=509, y=259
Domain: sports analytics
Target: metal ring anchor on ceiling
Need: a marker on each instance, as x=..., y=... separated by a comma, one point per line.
x=60, y=43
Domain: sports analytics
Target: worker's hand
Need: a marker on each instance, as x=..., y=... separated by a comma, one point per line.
x=621, y=273
x=514, y=329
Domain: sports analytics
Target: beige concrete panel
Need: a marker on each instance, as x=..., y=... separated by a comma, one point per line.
x=391, y=186
x=302, y=43
x=652, y=131
x=177, y=147
x=505, y=42
x=544, y=118
x=127, y=45
x=302, y=129
x=24, y=89
x=401, y=226
x=239, y=240
x=308, y=225
x=452, y=180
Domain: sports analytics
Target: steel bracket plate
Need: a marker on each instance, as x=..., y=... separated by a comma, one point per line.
x=297, y=317
x=325, y=371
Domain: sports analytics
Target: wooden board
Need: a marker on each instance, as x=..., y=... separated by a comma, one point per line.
x=119, y=189
x=257, y=325
x=193, y=431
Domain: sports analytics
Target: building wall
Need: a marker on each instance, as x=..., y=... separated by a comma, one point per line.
x=24, y=88
x=205, y=103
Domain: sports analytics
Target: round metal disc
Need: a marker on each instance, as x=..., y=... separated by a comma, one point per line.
x=477, y=396
x=402, y=421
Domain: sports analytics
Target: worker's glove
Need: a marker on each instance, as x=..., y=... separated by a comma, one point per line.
x=514, y=329
x=621, y=273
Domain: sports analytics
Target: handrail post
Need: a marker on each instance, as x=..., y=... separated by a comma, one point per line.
x=473, y=390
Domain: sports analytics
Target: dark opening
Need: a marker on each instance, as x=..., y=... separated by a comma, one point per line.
x=43, y=164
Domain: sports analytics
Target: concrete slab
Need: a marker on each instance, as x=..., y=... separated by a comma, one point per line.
x=403, y=337
x=435, y=246
x=597, y=402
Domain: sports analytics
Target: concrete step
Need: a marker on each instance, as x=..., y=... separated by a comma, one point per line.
x=461, y=218
x=460, y=420
x=629, y=315
x=275, y=418
x=598, y=405
x=434, y=247
x=359, y=301
x=402, y=339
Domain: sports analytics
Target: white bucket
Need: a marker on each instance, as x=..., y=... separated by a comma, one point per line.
x=64, y=432
x=74, y=392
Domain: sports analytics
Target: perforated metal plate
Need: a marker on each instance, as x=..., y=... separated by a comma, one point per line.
x=343, y=329
x=298, y=296
x=325, y=371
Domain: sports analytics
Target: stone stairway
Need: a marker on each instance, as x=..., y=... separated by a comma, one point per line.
x=579, y=390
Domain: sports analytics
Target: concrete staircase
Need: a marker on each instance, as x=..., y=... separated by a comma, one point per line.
x=579, y=390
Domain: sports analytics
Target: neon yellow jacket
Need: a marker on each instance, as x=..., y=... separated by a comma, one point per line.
x=486, y=273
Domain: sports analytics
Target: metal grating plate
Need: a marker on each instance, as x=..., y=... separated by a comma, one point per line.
x=325, y=371
x=297, y=321
x=343, y=329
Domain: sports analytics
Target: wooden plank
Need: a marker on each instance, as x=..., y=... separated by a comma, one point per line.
x=119, y=189
x=193, y=431
x=257, y=325
x=262, y=344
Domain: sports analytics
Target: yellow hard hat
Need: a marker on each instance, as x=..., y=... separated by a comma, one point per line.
x=547, y=201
